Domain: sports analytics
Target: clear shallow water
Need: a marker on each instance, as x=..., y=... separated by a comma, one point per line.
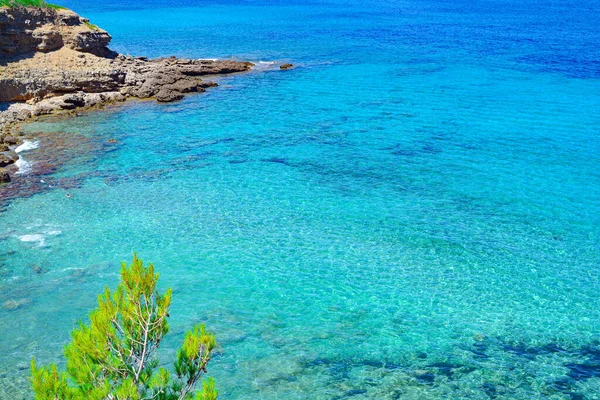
x=412, y=213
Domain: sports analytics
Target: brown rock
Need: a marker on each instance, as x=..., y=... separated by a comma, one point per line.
x=286, y=66
x=26, y=30
x=74, y=100
x=12, y=155
x=4, y=176
x=89, y=41
x=167, y=96
x=5, y=160
x=10, y=139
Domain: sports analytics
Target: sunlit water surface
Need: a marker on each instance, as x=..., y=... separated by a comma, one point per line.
x=413, y=212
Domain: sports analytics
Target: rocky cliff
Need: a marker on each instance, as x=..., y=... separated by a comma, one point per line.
x=28, y=30
x=53, y=60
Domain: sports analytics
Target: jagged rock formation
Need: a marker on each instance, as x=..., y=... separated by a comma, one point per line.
x=53, y=60
x=29, y=30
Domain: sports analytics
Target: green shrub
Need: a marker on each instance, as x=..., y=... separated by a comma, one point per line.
x=114, y=356
x=28, y=3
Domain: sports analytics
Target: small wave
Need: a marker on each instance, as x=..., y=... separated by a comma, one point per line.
x=264, y=65
x=39, y=238
x=27, y=145
x=35, y=237
x=24, y=166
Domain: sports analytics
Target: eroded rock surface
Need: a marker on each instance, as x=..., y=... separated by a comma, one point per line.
x=29, y=30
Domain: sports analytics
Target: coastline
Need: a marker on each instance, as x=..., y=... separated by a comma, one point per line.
x=54, y=62
x=72, y=105
x=413, y=213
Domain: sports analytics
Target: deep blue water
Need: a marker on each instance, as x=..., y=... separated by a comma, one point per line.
x=412, y=212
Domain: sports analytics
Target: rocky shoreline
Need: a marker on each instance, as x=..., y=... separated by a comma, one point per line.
x=52, y=61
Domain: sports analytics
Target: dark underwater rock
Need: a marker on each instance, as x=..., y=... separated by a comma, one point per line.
x=4, y=176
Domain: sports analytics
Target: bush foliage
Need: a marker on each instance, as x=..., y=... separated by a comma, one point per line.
x=114, y=356
x=28, y=3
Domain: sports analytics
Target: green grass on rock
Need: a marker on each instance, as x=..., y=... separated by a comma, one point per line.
x=92, y=26
x=28, y=3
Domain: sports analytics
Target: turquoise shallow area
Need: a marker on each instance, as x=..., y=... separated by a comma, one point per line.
x=413, y=212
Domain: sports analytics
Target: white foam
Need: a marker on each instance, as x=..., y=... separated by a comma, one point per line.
x=24, y=166
x=39, y=238
x=264, y=65
x=36, y=237
x=27, y=145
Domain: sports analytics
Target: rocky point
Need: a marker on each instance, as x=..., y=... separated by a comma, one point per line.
x=53, y=61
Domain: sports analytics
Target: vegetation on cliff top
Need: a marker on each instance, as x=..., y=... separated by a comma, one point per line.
x=91, y=26
x=28, y=3
x=114, y=357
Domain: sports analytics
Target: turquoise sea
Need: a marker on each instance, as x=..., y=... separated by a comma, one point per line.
x=413, y=212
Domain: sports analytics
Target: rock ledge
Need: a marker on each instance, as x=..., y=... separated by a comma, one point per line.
x=54, y=61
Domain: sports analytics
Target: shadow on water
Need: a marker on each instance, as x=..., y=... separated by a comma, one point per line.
x=483, y=358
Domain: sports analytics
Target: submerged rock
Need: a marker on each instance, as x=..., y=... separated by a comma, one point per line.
x=22, y=366
x=11, y=305
x=4, y=176
x=38, y=269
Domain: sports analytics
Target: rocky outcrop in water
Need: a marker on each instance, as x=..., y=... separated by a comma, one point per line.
x=53, y=61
